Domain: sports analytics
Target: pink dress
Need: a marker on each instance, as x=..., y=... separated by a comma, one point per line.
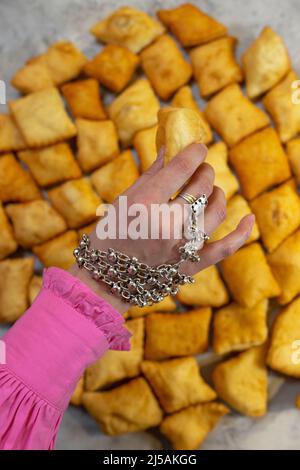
x=47, y=350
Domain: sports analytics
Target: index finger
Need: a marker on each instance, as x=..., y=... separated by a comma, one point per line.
x=169, y=179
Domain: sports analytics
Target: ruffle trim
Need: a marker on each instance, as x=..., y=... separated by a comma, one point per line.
x=76, y=294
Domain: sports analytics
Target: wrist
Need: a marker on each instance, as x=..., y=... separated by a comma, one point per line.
x=99, y=288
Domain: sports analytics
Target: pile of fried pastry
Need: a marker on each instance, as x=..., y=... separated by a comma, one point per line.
x=64, y=150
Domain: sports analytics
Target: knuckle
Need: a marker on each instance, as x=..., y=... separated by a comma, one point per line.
x=184, y=165
x=220, y=194
x=206, y=185
x=209, y=171
x=227, y=250
x=221, y=213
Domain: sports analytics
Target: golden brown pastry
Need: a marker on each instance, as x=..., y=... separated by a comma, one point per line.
x=128, y=408
x=34, y=288
x=284, y=108
x=114, y=67
x=260, y=162
x=15, y=275
x=191, y=25
x=63, y=60
x=35, y=222
x=183, y=98
x=76, y=201
x=97, y=143
x=248, y=276
x=115, y=366
x=277, y=213
x=215, y=66
x=10, y=136
x=283, y=354
x=50, y=165
x=16, y=184
x=168, y=304
x=177, y=128
x=32, y=77
x=76, y=398
x=208, y=290
x=242, y=382
x=8, y=244
x=237, y=208
x=285, y=264
x=133, y=110
x=144, y=143
x=293, y=153
x=83, y=98
x=116, y=176
x=128, y=27
x=58, y=251
x=265, y=62
x=177, y=334
x=237, y=328
x=187, y=429
x=233, y=116
x=165, y=66
x=298, y=402
x=177, y=383
x=224, y=177
x=42, y=119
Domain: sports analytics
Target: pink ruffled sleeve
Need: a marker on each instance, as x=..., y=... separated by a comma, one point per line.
x=47, y=350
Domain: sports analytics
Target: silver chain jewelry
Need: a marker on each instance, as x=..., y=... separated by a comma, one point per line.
x=197, y=236
x=135, y=282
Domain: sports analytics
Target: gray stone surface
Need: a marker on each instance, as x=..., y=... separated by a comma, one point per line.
x=26, y=28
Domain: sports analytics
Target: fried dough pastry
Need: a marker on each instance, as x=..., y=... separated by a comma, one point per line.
x=242, y=382
x=76, y=201
x=260, y=162
x=237, y=328
x=15, y=275
x=51, y=165
x=188, y=428
x=128, y=27
x=133, y=110
x=190, y=25
x=165, y=66
x=42, y=118
x=128, y=408
x=97, y=143
x=177, y=128
x=233, y=115
x=177, y=383
x=116, y=176
x=16, y=184
x=248, y=276
x=265, y=62
x=84, y=100
x=277, y=213
x=214, y=65
x=177, y=334
x=35, y=222
x=114, y=67
x=208, y=290
x=283, y=353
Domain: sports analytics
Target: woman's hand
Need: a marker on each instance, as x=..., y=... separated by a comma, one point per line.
x=157, y=186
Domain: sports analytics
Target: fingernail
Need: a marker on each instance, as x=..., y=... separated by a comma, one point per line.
x=251, y=220
x=251, y=217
